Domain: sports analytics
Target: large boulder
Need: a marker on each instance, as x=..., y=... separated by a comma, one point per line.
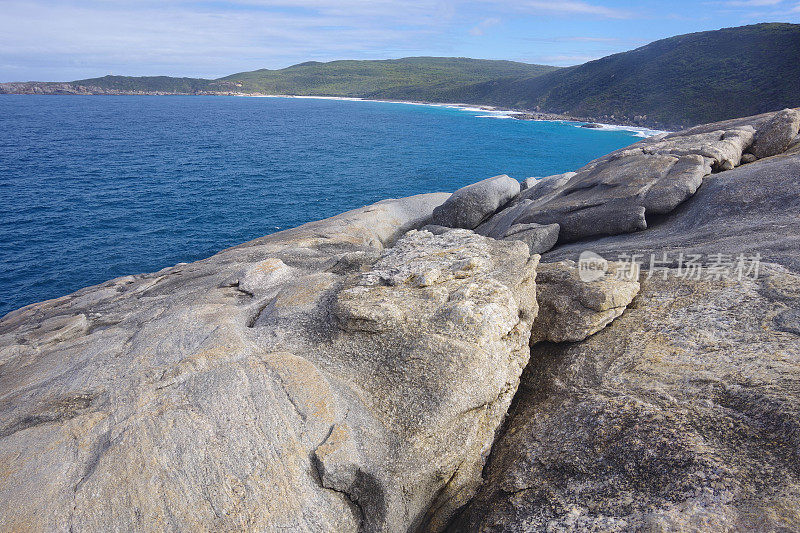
x=498, y=225
x=535, y=187
x=722, y=147
x=777, y=134
x=574, y=305
x=470, y=205
x=313, y=380
x=610, y=197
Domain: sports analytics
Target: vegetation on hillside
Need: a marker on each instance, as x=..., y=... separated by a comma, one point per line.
x=166, y=84
x=405, y=77
x=680, y=81
x=412, y=75
x=683, y=80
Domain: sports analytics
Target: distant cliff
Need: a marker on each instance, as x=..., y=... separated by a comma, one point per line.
x=670, y=84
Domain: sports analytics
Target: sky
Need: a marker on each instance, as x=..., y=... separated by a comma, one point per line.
x=60, y=40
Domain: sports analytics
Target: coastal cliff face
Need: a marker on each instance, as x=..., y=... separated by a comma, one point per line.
x=381, y=371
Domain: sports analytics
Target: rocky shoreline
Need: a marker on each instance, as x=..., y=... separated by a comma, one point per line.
x=444, y=362
x=639, y=121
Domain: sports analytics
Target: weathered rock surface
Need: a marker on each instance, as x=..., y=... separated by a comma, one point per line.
x=571, y=308
x=748, y=158
x=610, y=198
x=535, y=187
x=470, y=205
x=752, y=209
x=682, y=415
x=617, y=193
x=777, y=134
x=436, y=230
x=538, y=237
x=312, y=380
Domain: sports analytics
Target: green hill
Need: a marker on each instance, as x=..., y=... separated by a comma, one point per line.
x=683, y=80
x=675, y=82
x=407, y=78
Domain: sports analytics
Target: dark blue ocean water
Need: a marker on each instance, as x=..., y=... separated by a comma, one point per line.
x=101, y=186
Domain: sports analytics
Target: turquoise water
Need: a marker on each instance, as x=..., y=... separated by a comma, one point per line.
x=94, y=187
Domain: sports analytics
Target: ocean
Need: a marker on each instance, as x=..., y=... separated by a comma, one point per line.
x=95, y=187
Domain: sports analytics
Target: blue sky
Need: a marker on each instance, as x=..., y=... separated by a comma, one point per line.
x=50, y=40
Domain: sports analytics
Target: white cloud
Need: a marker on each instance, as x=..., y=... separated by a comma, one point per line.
x=566, y=60
x=577, y=39
x=573, y=8
x=753, y=3
x=166, y=38
x=481, y=27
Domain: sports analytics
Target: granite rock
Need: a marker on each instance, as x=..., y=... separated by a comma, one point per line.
x=741, y=212
x=326, y=378
x=777, y=134
x=682, y=415
x=617, y=193
x=539, y=238
x=571, y=307
x=534, y=187
x=470, y=205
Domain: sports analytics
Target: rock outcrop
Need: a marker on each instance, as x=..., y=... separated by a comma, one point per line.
x=749, y=210
x=571, y=308
x=537, y=187
x=470, y=205
x=777, y=134
x=619, y=193
x=538, y=237
x=362, y=373
x=312, y=380
x=680, y=416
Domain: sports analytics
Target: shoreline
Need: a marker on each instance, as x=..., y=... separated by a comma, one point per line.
x=497, y=112
x=67, y=89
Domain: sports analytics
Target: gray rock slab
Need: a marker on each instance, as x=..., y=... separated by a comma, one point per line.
x=617, y=193
x=681, y=415
x=572, y=308
x=749, y=210
x=470, y=205
x=311, y=380
x=539, y=238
